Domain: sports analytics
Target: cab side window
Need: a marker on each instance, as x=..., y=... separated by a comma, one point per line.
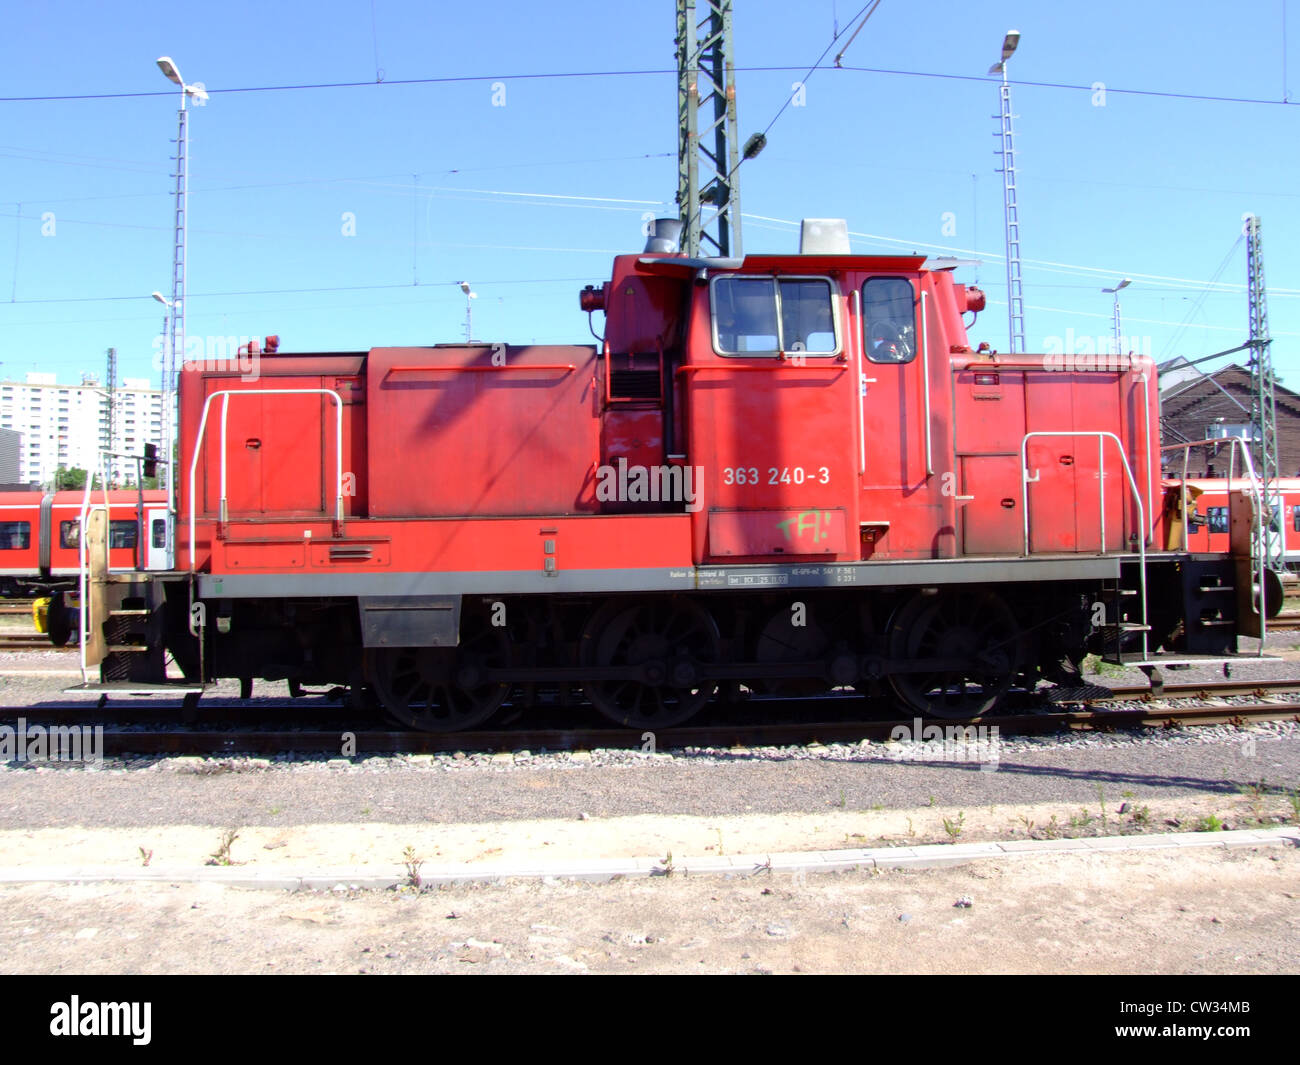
x=771, y=316
x=889, y=319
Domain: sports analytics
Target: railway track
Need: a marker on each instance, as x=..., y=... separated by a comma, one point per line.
x=277, y=729
x=28, y=641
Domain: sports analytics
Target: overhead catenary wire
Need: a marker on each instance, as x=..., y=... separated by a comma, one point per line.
x=653, y=72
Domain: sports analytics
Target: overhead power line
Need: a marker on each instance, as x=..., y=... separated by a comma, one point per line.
x=585, y=74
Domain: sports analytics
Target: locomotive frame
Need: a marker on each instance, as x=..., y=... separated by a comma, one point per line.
x=777, y=474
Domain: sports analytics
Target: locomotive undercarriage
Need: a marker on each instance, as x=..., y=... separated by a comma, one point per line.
x=649, y=661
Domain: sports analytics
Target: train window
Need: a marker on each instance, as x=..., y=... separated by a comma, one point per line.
x=889, y=319
x=122, y=533
x=70, y=533
x=159, y=533
x=770, y=316
x=1295, y=515
x=15, y=535
x=1217, y=518
x=806, y=320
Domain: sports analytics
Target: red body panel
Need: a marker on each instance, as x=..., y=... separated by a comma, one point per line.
x=473, y=431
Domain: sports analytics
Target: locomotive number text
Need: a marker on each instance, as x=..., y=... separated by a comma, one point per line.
x=776, y=475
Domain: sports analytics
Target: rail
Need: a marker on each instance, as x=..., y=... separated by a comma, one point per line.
x=860, y=393
x=1026, y=480
x=225, y=395
x=793, y=361
x=1259, y=494
x=925, y=387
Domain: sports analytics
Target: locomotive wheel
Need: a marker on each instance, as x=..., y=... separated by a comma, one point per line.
x=441, y=689
x=782, y=642
x=667, y=640
x=967, y=624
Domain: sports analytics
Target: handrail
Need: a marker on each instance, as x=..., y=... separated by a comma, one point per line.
x=925, y=384
x=225, y=395
x=1259, y=492
x=784, y=364
x=1101, y=436
x=860, y=393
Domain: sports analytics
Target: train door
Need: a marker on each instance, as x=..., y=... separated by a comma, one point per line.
x=155, y=538
x=896, y=520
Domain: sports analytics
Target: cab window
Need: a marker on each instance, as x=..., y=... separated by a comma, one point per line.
x=70, y=533
x=1217, y=518
x=889, y=319
x=771, y=316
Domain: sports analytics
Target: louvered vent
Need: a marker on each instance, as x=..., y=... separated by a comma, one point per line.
x=634, y=384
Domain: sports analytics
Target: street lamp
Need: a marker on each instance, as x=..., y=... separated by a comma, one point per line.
x=469, y=311
x=176, y=305
x=1009, y=44
x=1015, y=293
x=1119, y=336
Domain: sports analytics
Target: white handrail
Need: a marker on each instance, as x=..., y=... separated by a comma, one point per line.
x=225, y=395
x=859, y=392
x=1026, y=481
x=925, y=381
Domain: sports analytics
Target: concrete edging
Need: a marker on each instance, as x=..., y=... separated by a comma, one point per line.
x=930, y=856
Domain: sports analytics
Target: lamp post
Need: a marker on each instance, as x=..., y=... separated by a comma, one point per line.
x=1006, y=135
x=470, y=296
x=1119, y=335
x=166, y=355
x=176, y=305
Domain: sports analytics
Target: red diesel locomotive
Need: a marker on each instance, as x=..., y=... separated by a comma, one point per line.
x=787, y=473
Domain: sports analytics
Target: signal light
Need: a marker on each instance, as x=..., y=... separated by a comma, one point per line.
x=150, y=467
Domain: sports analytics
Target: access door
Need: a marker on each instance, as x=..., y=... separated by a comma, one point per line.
x=899, y=518
x=157, y=553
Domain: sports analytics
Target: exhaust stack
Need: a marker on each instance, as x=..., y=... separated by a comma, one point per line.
x=665, y=237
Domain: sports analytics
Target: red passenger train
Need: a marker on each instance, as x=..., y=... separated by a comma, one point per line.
x=782, y=473
x=40, y=537
x=1209, y=530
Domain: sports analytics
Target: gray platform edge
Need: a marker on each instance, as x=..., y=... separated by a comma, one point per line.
x=606, y=869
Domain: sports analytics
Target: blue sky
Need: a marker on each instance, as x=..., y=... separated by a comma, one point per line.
x=528, y=201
